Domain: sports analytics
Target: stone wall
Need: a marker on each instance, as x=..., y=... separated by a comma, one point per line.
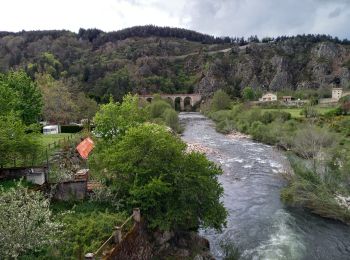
x=70, y=190
x=36, y=175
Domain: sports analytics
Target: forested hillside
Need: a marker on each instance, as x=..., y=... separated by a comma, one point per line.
x=149, y=59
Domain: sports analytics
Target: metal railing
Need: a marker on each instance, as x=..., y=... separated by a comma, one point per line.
x=116, y=237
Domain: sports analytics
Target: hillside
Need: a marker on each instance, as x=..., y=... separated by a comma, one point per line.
x=148, y=59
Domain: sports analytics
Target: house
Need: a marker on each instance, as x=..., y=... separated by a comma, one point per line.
x=268, y=97
x=337, y=93
x=287, y=99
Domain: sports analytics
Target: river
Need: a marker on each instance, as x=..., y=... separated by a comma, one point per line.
x=259, y=224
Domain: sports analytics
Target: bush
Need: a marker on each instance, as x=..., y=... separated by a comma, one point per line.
x=226, y=126
x=309, y=112
x=171, y=118
x=26, y=222
x=158, y=107
x=175, y=190
x=220, y=101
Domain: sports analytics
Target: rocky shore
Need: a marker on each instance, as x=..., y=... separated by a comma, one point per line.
x=234, y=135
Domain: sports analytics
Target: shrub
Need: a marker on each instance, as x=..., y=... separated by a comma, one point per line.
x=220, y=101
x=26, y=222
x=226, y=126
x=309, y=112
x=158, y=107
x=171, y=118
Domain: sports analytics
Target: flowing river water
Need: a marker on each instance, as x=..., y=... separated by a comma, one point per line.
x=259, y=224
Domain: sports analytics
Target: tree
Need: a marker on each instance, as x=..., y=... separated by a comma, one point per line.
x=59, y=106
x=312, y=143
x=220, y=101
x=87, y=107
x=25, y=222
x=248, y=94
x=175, y=190
x=26, y=99
x=114, y=118
x=15, y=143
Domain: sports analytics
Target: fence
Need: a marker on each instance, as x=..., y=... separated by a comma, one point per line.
x=116, y=238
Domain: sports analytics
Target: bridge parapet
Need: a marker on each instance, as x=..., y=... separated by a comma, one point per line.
x=183, y=100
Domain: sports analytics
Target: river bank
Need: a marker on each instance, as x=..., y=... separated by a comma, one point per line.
x=318, y=155
x=259, y=224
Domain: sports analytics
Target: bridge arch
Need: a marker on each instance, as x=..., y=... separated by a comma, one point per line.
x=188, y=103
x=178, y=104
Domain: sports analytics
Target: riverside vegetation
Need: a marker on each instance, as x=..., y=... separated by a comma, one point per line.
x=317, y=146
x=138, y=158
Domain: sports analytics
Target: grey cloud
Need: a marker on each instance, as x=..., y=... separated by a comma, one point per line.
x=335, y=13
x=268, y=17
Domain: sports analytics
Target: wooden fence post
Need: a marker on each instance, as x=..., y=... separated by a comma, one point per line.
x=136, y=215
x=89, y=256
x=118, y=235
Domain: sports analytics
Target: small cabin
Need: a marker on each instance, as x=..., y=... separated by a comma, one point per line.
x=268, y=97
x=287, y=99
x=51, y=129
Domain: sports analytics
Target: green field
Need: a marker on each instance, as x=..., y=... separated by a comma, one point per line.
x=50, y=139
x=295, y=112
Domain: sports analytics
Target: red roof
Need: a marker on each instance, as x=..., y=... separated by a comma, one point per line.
x=85, y=147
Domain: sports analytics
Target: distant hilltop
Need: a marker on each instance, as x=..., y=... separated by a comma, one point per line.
x=152, y=59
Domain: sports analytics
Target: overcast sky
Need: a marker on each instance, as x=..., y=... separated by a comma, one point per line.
x=217, y=17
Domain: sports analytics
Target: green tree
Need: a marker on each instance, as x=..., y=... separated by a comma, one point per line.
x=26, y=222
x=220, y=101
x=26, y=100
x=15, y=143
x=87, y=107
x=248, y=94
x=175, y=190
x=114, y=118
x=59, y=105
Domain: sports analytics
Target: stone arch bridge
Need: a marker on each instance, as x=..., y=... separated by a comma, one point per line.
x=181, y=102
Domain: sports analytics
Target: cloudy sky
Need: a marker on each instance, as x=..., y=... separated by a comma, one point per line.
x=217, y=17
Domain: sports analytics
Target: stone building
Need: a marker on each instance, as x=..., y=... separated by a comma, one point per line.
x=268, y=97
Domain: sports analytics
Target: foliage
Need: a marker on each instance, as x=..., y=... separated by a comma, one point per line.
x=15, y=143
x=26, y=222
x=149, y=168
x=231, y=252
x=21, y=95
x=86, y=225
x=307, y=189
x=114, y=118
x=248, y=94
x=321, y=170
x=309, y=112
x=158, y=107
x=61, y=104
x=171, y=119
x=220, y=101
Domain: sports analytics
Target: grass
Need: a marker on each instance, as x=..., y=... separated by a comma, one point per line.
x=50, y=139
x=295, y=112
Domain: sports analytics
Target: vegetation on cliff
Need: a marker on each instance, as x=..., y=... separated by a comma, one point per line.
x=149, y=59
